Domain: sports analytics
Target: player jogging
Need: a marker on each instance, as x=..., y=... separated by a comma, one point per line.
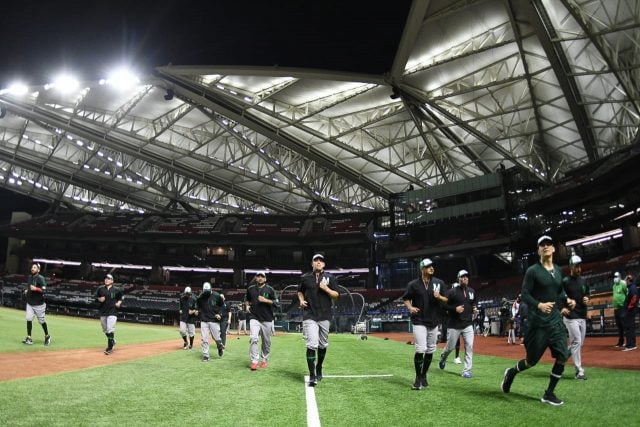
x=36, y=285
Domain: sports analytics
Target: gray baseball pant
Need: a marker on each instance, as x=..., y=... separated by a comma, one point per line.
x=577, y=329
x=453, y=335
x=256, y=329
x=316, y=333
x=207, y=328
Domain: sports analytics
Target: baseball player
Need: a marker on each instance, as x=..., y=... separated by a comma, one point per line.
x=36, y=285
x=460, y=303
x=315, y=294
x=259, y=303
x=209, y=306
x=187, y=318
x=543, y=293
x=422, y=299
x=576, y=320
x=110, y=299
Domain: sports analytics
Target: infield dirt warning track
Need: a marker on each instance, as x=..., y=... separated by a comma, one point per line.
x=598, y=352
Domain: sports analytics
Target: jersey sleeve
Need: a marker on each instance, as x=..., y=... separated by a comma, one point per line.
x=527, y=287
x=333, y=283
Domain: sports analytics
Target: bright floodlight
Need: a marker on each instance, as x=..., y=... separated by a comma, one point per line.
x=66, y=83
x=123, y=78
x=18, y=89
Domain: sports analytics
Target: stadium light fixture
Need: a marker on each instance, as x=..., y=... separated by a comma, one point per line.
x=122, y=78
x=123, y=266
x=197, y=269
x=56, y=261
x=66, y=83
x=596, y=238
x=18, y=89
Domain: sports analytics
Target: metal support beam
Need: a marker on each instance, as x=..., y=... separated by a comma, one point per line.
x=546, y=33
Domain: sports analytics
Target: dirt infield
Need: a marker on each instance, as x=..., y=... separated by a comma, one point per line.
x=598, y=352
x=36, y=363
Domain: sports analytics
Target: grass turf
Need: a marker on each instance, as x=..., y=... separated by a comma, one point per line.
x=178, y=389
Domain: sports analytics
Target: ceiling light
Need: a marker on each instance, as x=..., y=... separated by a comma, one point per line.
x=66, y=83
x=18, y=89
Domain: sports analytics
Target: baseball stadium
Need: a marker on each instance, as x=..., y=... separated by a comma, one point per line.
x=412, y=213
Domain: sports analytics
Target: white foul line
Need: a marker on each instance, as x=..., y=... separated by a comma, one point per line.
x=313, y=417
x=358, y=376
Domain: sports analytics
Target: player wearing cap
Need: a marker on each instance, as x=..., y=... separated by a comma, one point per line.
x=576, y=320
x=460, y=303
x=209, y=305
x=188, y=317
x=36, y=306
x=259, y=302
x=422, y=299
x=542, y=291
x=316, y=292
x=110, y=299
x=619, y=312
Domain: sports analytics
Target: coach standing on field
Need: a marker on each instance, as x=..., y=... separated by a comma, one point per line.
x=110, y=300
x=544, y=294
x=36, y=285
x=315, y=294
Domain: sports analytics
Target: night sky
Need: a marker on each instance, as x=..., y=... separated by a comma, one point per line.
x=39, y=40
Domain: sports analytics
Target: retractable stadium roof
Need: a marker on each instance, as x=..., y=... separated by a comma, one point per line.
x=546, y=86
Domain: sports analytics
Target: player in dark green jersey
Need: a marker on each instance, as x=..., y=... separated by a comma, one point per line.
x=543, y=293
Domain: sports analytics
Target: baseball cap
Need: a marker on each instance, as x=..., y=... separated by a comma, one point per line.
x=616, y=275
x=206, y=286
x=316, y=256
x=462, y=273
x=544, y=239
x=575, y=260
x=187, y=290
x=425, y=263
x=261, y=273
x=108, y=276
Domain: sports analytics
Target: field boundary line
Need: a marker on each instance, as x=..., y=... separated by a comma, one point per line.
x=313, y=417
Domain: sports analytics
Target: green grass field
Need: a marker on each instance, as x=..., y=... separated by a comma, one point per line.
x=178, y=389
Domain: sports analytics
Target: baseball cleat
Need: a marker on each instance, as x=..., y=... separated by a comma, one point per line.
x=417, y=384
x=507, y=379
x=551, y=399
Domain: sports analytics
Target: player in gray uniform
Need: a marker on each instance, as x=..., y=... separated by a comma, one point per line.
x=315, y=294
x=259, y=302
x=209, y=306
x=187, y=318
x=576, y=320
x=36, y=285
x=110, y=299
